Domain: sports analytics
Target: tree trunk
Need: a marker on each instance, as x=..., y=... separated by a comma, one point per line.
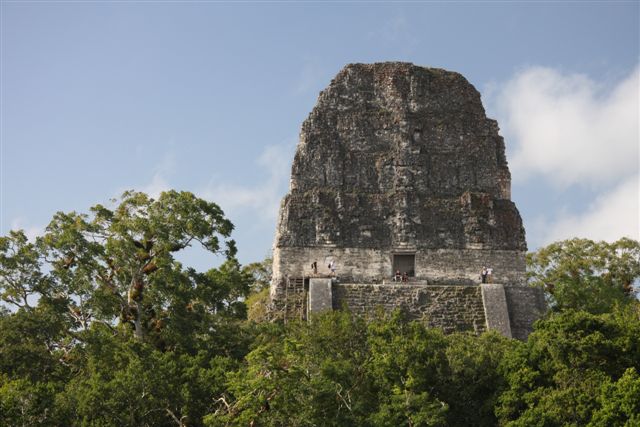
x=138, y=333
x=133, y=298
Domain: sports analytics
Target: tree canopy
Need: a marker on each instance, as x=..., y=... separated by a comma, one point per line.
x=581, y=274
x=101, y=325
x=101, y=305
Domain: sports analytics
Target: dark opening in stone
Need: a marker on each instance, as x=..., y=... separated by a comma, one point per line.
x=405, y=263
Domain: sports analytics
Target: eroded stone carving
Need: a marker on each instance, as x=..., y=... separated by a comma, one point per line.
x=397, y=159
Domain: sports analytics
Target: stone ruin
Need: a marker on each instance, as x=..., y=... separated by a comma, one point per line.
x=398, y=168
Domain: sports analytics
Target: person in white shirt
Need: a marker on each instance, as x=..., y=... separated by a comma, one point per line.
x=332, y=267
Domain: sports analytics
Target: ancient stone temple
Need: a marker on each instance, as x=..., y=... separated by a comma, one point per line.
x=399, y=169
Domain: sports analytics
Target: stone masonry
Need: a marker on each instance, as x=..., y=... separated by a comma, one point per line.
x=398, y=168
x=451, y=308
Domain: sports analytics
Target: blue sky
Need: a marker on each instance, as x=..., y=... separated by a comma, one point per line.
x=100, y=97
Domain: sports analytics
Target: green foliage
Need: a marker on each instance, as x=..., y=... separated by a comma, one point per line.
x=556, y=377
x=27, y=403
x=474, y=383
x=121, y=262
x=619, y=402
x=261, y=273
x=344, y=370
x=257, y=306
x=108, y=328
x=34, y=345
x=304, y=375
x=407, y=362
x=580, y=274
x=258, y=300
x=128, y=383
x=20, y=275
x=118, y=267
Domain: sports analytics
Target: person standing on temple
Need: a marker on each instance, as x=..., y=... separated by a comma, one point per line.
x=397, y=277
x=332, y=268
x=483, y=274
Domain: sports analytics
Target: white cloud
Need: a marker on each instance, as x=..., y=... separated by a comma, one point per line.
x=157, y=185
x=261, y=200
x=611, y=216
x=574, y=132
x=568, y=128
x=264, y=198
x=31, y=231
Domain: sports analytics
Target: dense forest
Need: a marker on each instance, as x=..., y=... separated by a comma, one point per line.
x=101, y=325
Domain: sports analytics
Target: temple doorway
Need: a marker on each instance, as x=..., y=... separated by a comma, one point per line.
x=405, y=263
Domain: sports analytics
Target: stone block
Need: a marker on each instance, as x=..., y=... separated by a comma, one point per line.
x=320, y=295
x=526, y=305
x=495, y=308
x=452, y=308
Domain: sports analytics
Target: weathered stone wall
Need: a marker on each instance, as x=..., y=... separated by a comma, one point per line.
x=526, y=305
x=326, y=216
x=320, y=295
x=496, y=310
x=289, y=299
x=437, y=266
x=400, y=159
x=451, y=308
